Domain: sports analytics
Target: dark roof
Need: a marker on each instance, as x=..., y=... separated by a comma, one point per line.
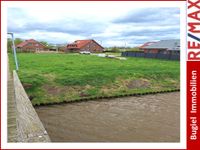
x=173, y=44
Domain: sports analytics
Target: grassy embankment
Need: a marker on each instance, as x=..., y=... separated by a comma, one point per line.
x=50, y=78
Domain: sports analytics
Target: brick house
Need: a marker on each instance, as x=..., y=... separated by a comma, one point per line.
x=31, y=46
x=84, y=45
x=164, y=47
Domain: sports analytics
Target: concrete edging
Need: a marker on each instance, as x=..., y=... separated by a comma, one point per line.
x=107, y=97
x=29, y=126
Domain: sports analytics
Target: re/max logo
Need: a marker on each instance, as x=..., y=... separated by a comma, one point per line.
x=193, y=30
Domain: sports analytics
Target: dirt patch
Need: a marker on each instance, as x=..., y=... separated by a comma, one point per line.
x=124, y=85
x=140, y=83
x=83, y=91
x=55, y=90
x=27, y=85
x=82, y=94
x=110, y=89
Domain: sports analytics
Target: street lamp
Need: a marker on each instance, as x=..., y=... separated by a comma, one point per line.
x=14, y=50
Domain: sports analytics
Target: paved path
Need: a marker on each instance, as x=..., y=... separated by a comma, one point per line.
x=12, y=128
x=150, y=118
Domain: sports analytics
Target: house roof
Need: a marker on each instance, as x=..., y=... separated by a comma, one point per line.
x=80, y=43
x=22, y=44
x=146, y=44
x=173, y=44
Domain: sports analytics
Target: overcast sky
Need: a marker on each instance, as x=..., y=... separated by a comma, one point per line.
x=109, y=25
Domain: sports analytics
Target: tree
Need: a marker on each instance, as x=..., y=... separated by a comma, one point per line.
x=18, y=41
x=44, y=43
x=115, y=49
x=9, y=43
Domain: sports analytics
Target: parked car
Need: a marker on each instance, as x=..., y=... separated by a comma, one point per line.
x=111, y=56
x=101, y=55
x=85, y=52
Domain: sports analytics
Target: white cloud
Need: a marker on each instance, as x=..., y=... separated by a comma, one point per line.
x=112, y=23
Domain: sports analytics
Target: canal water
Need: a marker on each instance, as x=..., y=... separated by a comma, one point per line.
x=150, y=118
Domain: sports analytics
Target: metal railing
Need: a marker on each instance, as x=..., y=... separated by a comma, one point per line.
x=14, y=50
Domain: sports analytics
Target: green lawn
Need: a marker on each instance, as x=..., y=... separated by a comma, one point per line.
x=49, y=78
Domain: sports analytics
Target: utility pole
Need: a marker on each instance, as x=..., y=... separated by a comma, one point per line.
x=14, y=50
x=57, y=48
x=124, y=46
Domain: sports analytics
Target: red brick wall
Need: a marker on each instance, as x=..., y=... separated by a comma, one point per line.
x=74, y=50
x=92, y=47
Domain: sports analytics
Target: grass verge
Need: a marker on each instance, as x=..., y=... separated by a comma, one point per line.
x=49, y=78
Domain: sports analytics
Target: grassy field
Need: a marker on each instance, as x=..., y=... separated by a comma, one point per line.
x=49, y=78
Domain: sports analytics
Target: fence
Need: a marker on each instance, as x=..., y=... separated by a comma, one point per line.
x=151, y=55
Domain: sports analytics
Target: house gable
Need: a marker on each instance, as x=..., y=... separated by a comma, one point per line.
x=85, y=45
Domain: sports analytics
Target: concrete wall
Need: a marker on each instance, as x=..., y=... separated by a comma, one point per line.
x=29, y=126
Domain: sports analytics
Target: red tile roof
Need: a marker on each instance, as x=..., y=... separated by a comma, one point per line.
x=80, y=43
x=147, y=44
x=22, y=44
